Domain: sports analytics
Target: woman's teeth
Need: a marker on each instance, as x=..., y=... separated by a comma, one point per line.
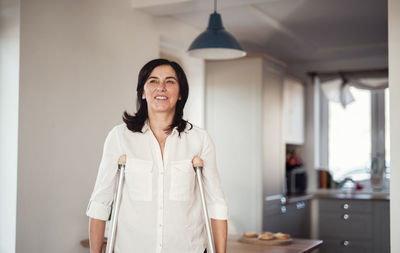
x=160, y=97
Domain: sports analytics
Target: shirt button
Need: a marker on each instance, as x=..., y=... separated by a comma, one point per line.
x=160, y=225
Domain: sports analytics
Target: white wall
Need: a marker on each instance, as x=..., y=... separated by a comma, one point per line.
x=394, y=88
x=9, y=66
x=174, y=44
x=79, y=65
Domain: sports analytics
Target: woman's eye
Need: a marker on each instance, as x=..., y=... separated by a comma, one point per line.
x=171, y=81
x=152, y=81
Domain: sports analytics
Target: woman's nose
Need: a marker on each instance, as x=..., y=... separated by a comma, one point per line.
x=161, y=86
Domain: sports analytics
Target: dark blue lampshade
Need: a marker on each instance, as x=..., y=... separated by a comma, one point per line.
x=215, y=43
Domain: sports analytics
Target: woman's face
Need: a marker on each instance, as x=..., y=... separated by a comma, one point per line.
x=161, y=90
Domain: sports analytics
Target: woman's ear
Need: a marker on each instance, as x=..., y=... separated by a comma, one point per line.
x=143, y=96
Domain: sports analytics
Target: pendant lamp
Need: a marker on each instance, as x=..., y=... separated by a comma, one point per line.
x=215, y=43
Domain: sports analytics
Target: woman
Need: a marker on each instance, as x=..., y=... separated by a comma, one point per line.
x=161, y=206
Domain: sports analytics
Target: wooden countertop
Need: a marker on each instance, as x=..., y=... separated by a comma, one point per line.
x=298, y=246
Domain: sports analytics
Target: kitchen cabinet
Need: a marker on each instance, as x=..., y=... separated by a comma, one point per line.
x=243, y=115
x=293, y=111
x=292, y=217
x=357, y=226
x=272, y=121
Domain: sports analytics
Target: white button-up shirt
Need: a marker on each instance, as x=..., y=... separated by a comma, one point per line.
x=161, y=205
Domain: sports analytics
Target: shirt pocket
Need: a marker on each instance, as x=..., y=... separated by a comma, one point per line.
x=139, y=178
x=182, y=180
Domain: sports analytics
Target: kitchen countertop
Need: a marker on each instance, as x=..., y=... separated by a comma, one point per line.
x=331, y=194
x=289, y=199
x=234, y=246
x=296, y=198
x=356, y=195
x=298, y=246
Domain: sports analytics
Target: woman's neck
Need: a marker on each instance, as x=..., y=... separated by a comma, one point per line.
x=159, y=122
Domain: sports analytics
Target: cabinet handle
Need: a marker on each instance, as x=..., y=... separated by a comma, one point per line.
x=346, y=216
x=283, y=209
x=345, y=243
x=346, y=206
x=300, y=205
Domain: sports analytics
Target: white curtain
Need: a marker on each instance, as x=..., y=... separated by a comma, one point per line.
x=336, y=87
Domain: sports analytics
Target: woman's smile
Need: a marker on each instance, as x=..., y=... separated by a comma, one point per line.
x=161, y=97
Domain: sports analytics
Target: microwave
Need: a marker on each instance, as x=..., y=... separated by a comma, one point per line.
x=296, y=181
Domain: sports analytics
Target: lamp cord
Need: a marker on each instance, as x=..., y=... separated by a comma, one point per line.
x=215, y=6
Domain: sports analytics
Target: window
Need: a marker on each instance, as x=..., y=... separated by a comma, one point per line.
x=349, y=136
x=354, y=135
x=387, y=133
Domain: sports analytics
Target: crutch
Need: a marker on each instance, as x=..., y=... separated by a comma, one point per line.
x=198, y=167
x=116, y=205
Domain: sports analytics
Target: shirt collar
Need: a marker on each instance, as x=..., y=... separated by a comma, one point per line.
x=146, y=127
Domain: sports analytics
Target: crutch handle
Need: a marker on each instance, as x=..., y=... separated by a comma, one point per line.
x=198, y=167
x=197, y=162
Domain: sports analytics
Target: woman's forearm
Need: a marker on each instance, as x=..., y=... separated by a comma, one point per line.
x=96, y=235
x=220, y=231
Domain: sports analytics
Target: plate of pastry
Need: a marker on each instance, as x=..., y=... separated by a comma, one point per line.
x=266, y=238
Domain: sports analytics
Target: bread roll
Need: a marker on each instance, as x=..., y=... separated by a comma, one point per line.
x=250, y=235
x=281, y=236
x=266, y=236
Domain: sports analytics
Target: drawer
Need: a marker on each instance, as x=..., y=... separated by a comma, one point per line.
x=346, y=246
x=345, y=225
x=339, y=205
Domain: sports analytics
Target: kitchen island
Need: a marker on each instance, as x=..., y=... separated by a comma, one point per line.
x=297, y=246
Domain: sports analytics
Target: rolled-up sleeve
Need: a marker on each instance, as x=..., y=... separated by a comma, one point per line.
x=100, y=202
x=216, y=204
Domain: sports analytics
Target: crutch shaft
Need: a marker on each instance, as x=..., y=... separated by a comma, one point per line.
x=115, y=211
x=205, y=212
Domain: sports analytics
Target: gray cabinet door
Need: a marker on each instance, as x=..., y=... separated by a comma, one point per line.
x=276, y=218
x=293, y=218
x=381, y=226
x=345, y=225
x=341, y=205
x=346, y=246
x=299, y=213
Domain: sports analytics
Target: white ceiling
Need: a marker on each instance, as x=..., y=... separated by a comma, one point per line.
x=294, y=31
